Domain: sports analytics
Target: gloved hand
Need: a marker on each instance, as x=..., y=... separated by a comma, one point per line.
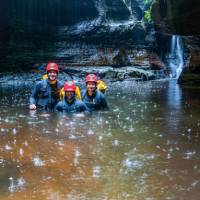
x=32, y=107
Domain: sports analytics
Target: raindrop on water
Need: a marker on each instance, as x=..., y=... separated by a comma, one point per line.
x=169, y=156
x=96, y=171
x=100, y=138
x=7, y=147
x=21, y=152
x=90, y=132
x=189, y=130
x=11, y=186
x=115, y=143
x=38, y=162
x=14, y=131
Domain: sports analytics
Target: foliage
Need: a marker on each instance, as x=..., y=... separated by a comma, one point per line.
x=148, y=11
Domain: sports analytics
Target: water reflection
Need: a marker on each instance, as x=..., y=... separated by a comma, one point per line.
x=175, y=104
x=145, y=147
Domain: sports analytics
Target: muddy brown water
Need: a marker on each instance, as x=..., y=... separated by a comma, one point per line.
x=146, y=147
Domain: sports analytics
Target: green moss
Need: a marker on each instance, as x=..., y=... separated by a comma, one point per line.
x=147, y=13
x=190, y=79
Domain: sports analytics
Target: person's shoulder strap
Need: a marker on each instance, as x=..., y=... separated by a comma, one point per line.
x=42, y=84
x=83, y=94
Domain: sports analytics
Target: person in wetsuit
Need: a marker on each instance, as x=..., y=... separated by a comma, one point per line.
x=45, y=94
x=92, y=97
x=70, y=104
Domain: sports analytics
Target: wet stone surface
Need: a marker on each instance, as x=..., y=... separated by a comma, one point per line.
x=108, y=73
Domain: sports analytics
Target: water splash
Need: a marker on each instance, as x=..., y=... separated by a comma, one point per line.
x=16, y=185
x=176, y=61
x=7, y=147
x=132, y=164
x=76, y=156
x=96, y=171
x=127, y=3
x=38, y=162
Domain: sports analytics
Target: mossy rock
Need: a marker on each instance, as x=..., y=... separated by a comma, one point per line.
x=189, y=79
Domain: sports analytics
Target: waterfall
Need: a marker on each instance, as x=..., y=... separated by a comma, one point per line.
x=127, y=3
x=176, y=61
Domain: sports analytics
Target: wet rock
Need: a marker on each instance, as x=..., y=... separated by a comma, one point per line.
x=120, y=76
x=177, y=17
x=96, y=31
x=140, y=58
x=110, y=74
x=121, y=58
x=157, y=64
x=33, y=34
x=116, y=74
x=141, y=74
x=117, y=10
x=194, y=62
x=189, y=79
x=91, y=55
x=191, y=74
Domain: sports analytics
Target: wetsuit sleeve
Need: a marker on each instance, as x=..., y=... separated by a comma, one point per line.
x=58, y=107
x=34, y=95
x=104, y=102
x=83, y=93
x=84, y=108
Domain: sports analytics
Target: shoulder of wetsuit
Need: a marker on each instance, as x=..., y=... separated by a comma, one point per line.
x=98, y=93
x=83, y=94
x=59, y=104
x=60, y=84
x=41, y=83
x=78, y=102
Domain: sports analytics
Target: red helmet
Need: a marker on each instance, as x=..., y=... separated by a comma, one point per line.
x=52, y=66
x=91, y=78
x=70, y=86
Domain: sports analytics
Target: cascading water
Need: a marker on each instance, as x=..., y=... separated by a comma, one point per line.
x=129, y=21
x=176, y=61
x=128, y=5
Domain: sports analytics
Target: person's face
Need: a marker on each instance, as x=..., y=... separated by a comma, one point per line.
x=70, y=95
x=52, y=75
x=91, y=88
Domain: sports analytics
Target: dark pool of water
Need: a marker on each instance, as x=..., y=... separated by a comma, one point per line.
x=146, y=147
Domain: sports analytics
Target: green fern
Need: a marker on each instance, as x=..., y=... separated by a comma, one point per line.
x=147, y=13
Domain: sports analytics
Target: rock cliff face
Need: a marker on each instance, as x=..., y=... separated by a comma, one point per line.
x=93, y=32
x=179, y=17
x=191, y=74
x=78, y=19
x=40, y=31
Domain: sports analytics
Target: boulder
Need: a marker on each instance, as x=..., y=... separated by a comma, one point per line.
x=190, y=76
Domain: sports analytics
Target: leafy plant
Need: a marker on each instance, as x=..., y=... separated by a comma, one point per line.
x=148, y=11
